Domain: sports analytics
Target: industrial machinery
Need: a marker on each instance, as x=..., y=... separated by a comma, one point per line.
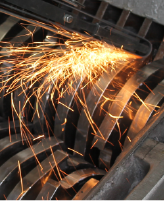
x=127, y=163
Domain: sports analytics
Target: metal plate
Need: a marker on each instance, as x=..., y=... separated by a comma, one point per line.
x=143, y=114
x=93, y=100
x=8, y=176
x=34, y=179
x=121, y=101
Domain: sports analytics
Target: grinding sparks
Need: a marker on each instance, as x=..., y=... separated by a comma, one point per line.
x=50, y=67
x=73, y=60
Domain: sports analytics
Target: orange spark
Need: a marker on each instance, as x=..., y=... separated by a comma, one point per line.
x=65, y=121
x=149, y=88
x=55, y=163
x=75, y=151
x=66, y=106
x=118, y=125
x=19, y=168
x=36, y=158
x=54, y=171
x=124, y=131
x=127, y=180
x=39, y=137
x=81, y=58
x=129, y=139
x=94, y=144
x=104, y=163
x=106, y=170
x=92, y=160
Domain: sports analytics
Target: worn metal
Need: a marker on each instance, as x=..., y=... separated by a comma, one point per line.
x=84, y=191
x=122, y=178
x=123, y=18
x=145, y=27
x=36, y=177
x=70, y=180
x=145, y=111
x=50, y=186
x=26, y=158
x=15, y=143
x=68, y=18
x=117, y=37
x=8, y=24
x=122, y=99
x=132, y=166
x=93, y=101
x=62, y=114
x=14, y=127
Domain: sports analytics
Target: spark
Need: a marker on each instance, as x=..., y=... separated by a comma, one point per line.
x=141, y=100
x=104, y=163
x=75, y=151
x=121, y=146
x=48, y=196
x=54, y=171
x=21, y=181
x=94, y=144
x=65, y=121
x=79, y=58
x=102, y=138
x=156, y=114
x=36, y=158
x=124, y=131
x=66, y=106
x=106, y=170
x=39, y=137
x=92, y=160
x=129, y=139
x=149, y=88
x=127, y=180
x=55, y=163
x=118, y=125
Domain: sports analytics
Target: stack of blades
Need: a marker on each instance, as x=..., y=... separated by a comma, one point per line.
x=61, y=155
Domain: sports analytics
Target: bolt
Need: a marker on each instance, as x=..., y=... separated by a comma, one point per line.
x=68, y=18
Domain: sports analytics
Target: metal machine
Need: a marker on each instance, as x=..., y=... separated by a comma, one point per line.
x=132, y=171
